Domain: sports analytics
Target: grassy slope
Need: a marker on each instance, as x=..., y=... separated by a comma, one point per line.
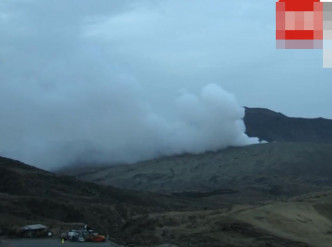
x=297, y=222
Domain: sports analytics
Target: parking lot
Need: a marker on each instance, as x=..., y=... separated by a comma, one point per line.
x=50, y=243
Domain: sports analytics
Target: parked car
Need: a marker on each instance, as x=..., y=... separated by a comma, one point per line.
x=85, y=234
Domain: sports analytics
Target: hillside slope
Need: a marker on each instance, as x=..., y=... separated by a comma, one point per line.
x=29, y=195
x=272, y=126
x=251, y=172
x=297, y=222
x=146, y=219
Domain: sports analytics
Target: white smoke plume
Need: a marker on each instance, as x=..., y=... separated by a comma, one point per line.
x=68, y=95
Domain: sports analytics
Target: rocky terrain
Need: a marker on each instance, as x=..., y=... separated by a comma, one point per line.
x=239, y=174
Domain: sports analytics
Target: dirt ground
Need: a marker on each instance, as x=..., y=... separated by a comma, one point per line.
x=50, y=243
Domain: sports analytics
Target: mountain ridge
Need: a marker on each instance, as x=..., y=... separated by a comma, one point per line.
x=273, y=126
x=265, y=168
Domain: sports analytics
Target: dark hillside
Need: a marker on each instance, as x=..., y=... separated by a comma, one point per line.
x=272, y=126
x=29, y=195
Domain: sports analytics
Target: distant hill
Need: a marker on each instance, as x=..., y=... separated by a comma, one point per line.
x=238, y=174
x=272, y=126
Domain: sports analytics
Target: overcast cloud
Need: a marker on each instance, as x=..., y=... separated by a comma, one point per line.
x=118, y=81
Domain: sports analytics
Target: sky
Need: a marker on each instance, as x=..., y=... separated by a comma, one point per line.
x=118, y=81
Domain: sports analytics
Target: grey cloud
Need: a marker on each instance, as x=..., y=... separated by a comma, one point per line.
x=119, y=81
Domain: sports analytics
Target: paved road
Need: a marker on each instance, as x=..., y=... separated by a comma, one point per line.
x=50, y=243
